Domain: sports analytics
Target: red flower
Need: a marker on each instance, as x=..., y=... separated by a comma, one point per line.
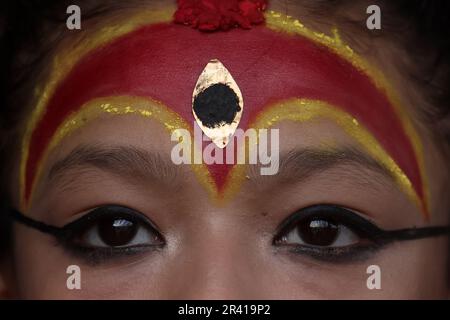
x=211, y=15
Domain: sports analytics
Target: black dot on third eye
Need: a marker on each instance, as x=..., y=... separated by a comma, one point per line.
x=216, y=105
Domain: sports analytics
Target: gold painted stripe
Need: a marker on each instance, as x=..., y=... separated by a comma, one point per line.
x=67, y=58
x=304, y=110
x=123, y=106
x=64, y=62
x=299, y=110
x=284, y=23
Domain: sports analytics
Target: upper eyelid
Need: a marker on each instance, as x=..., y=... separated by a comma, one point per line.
x=300, y=214
x=83, y=220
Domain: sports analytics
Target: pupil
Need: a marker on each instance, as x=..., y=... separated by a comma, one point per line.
x=318, y=232
x=117, y=232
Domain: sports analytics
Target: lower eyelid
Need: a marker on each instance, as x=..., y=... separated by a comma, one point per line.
x=101, y=255
x=341, y=255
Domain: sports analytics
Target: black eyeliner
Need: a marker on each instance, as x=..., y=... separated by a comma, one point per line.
x=374, y=237
x=95, y=256
x=363, y=227
x=34, y=224
x=67, y=231
x=337, y=254
x=65, y=235
x=345, y=216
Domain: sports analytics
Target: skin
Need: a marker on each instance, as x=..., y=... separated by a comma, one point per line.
x=225, y=251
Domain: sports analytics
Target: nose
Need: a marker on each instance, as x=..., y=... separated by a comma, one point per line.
x=217, y=264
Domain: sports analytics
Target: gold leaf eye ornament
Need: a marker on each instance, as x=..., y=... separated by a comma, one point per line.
x=217, y=103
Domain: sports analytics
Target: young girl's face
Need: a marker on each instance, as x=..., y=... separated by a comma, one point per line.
x=141, y=225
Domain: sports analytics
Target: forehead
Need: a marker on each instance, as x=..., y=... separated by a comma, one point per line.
x=162, y=62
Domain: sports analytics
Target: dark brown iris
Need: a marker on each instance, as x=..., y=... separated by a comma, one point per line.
x=117, y=232
x=318, y=231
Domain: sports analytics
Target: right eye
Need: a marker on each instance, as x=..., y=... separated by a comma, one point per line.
x=112, y=229
x=118, y=232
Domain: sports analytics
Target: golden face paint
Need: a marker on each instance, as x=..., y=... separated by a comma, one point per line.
x=63, y=63
x=298, y=110
x=123, y=106
x=297, y=64
x=301, y=110
x=287, y=24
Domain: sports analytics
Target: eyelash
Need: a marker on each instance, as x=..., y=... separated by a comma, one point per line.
x=68, y=235
x=371, y=238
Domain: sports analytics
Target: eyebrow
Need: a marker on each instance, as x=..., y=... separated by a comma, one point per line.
x=298, y=165
x=127, y=162
x=132, y=163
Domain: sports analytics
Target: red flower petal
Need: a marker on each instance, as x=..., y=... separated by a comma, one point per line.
x=211, y=15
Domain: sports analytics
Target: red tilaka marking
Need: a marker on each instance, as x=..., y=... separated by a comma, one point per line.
x=163, y=62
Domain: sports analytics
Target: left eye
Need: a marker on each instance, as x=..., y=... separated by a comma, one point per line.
x=320, y=232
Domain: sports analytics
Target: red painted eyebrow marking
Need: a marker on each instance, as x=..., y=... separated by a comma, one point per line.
x=163, y=62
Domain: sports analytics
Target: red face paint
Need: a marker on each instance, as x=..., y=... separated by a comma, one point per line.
x=163, y=62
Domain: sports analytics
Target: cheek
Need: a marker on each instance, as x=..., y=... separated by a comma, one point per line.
x=40, y=271
x=44, y=272
x=407, y=270
x=422, y=268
